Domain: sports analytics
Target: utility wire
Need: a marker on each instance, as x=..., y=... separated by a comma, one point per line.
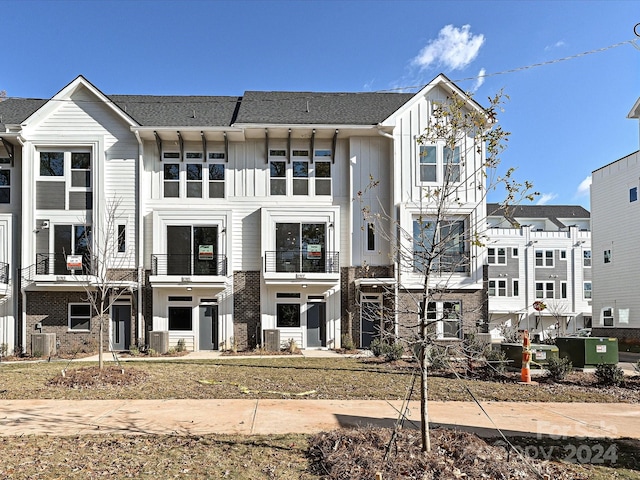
x=232, y=99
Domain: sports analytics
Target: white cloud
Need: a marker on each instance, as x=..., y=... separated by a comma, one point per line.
x=555, y=45
x=584, y=188
x=479, y=80
x=455, y=48
x=545, y=198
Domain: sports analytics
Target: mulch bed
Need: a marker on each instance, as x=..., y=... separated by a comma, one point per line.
x=94, y=377
x=360, y=453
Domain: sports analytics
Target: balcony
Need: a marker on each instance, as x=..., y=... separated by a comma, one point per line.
x=188, y=265
x=301, y=261
x=56, y=264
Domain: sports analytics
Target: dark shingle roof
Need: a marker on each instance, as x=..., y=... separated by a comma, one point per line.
x=17, y=110
x=319, y=108
x=255, y=107
x=178, y=111
x=551, y=212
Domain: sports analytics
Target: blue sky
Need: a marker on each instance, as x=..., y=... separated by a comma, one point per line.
x=566, y=117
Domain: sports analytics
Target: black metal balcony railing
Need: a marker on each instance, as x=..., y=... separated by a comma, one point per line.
x=187, y=264
x=442, y=262
x=56, y=264
x=301, y=261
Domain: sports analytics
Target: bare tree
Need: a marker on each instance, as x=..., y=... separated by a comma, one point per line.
x=106, y=275
x=447, y=234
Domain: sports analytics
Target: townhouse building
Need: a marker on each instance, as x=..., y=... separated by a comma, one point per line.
x=539, y=253
x=614, y=196
x=228, y=220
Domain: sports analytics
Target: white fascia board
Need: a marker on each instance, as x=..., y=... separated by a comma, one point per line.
x=635, y=111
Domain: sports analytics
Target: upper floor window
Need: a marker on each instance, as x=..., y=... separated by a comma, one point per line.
x=497, y=255
x=439, y=164
x=633, y=194
x=516, y=288
x=300, y=178
x=607, y=317
x=607, y=256
x=544, y=258
x=544, y=289
x=445, y=250
x=586, y=290
x=64, y=179
x=51, y=164
x=514, y=252
x=586, y=258
x=194, y=180
x=497, y=288
x=371, y=237
x=122, y=238
x=80, y=169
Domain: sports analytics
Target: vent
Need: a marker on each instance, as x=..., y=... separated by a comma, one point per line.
x=272, y=340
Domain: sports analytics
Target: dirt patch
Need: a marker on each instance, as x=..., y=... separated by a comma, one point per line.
x=95, y=378
x=360, y=453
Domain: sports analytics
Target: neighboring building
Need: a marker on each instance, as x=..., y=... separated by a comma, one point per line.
x=614, y=197
x=539, y=253
x=237, y=218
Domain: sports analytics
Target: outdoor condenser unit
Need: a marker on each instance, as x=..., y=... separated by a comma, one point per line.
x=43, y=344
x=159, y=341
x=272, y=340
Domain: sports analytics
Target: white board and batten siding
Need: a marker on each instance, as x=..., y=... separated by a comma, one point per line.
x=615, y=221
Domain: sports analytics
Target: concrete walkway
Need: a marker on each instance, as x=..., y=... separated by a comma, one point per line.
x=250, y=417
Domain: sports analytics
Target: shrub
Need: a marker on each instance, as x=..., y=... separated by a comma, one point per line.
x=609, y=375
x=347, y=342
x=376, y=347
x=496, y=361
x=436, y=358
x=291, y=346
x=4, y=349
x=393, y=351
x=559, y=368
x=181, y=347
x=134, y=350
x=152, y=352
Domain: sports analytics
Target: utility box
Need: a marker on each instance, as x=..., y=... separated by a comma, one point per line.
x=159, y=341
x=43, y=344
x=540, y=354
x=589, y=351
x=272, y=340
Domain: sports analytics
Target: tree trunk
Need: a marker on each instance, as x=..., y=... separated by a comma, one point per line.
x=100, y=361
x=424, y=417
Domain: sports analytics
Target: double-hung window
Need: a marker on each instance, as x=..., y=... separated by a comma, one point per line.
x=278, y=183
x=497, y=256
x=586, y=290
x=544, y=258
x=439, y=163
x=544, y=289
x=194, y=180
x=607, y=317
x=323, y=178
x=216, y=180
x=301, y=176
x=64, y=179
x=497, y=288
x=586, y=258
x=5, y=186
x=446, y=317
x=171, y=180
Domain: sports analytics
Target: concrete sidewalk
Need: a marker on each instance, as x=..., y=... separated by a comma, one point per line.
x=251, y=417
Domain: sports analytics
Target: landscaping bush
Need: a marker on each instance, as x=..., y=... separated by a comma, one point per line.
x=559, y=368
x=609, y=375
x=347, y=342
x=390, y=351
x=496, y=362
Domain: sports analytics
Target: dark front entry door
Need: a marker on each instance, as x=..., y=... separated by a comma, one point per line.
x=121, y=327
x=316, y=325
x=369, y=322
x=209, y=327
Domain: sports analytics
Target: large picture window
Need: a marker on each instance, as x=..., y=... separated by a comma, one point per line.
x=447, y=318
x=444, y=248
x=180, y=318
x=288, y=315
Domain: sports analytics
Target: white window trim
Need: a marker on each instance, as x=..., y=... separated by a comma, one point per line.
x=513, y=283
x=584, y=290
x=497, y=287
x=311, y=178
x=440, y=319
x=590, y=258
x=545, y=292
x=544, y=258
x=602, y=316
x=440, y=164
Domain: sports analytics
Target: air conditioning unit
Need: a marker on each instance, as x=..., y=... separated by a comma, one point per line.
x=43, y=344
x=159, y=341
x=272, y=340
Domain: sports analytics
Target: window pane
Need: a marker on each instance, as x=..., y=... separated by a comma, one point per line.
x=323, y=187
x=194, y=171
x=278, y=169
x=194, y=190
x=288, y=315
x=5, y=178
x=80, y=178
x=427, y=163
x=52, y=164
x=171, y=189
x=216, y=190
x=180, y=318
x=452, y=163
x=80, y=323
x=300, y=169
x=80, y=310
x=323, y=170
x=5, y=195
x=301, y=187
x=81, y=161
x=278, y=186
x=122, y=238
x=171, y=171
x=216, y=171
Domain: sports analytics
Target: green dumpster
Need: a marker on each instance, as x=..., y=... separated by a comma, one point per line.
x=540, y=354
x=589, y=351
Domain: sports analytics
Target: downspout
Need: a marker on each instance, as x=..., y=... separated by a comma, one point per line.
x=142, y=331
x=394, y=226
x=17, y=289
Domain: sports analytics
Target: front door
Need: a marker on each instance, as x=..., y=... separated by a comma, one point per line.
x=209, y=327
x=370, y=319
x=316, y=322
x=121, y=327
